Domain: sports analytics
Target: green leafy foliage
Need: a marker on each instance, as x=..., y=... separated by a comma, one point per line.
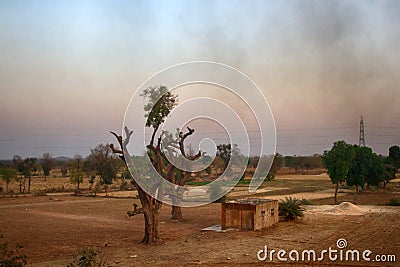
x=394, y=156
x=304, y=162
x=376, y=171
x=159, y=105
x=290, y=208
x=338, y=161
x=360, y=166
x=103, y=163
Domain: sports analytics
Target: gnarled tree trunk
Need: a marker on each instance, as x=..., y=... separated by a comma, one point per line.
x=176, y=211
x=336, y=191
x=150, y=206
x=176, y=197
x=151, y=211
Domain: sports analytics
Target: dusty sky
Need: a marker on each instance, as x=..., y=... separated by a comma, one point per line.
x=69, y=68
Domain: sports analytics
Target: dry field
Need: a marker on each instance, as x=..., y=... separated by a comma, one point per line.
x=52, y=184
x=53, y=228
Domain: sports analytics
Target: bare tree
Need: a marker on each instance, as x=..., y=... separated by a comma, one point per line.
x=161, y=102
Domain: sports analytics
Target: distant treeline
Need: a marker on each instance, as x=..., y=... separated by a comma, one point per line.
x=100, y=162
x=296, y=162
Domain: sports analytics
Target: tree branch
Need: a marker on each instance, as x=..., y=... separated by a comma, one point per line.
x=135, y=211
x=153, y=136
x=182, y=138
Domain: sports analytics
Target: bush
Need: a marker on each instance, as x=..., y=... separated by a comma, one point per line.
x=124, y=185
x=393, y=202
x=11, y=258
x=290, y=208
x=89, y=257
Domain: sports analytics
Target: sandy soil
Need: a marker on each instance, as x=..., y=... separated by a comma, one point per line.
x=319, y=177
x=52, y=231
x=53, y=228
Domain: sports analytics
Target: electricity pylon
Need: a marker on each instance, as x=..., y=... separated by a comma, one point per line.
x=362, y=134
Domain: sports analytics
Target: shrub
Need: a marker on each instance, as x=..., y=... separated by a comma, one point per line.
x=393, y=202
x=124, y=185
x=11, y=258
x=88, y=257
x=290, y=208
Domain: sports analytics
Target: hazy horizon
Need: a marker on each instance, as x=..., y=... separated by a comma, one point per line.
x=69, y=68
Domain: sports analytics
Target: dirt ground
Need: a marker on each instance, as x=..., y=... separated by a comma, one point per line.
x=53, y=228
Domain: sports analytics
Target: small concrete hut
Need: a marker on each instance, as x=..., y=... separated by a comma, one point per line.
x=249, y=214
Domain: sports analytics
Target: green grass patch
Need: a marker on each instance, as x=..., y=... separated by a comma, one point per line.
x=201, y=183
x=197, y=183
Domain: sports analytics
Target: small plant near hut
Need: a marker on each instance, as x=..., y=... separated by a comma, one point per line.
x=290, y=208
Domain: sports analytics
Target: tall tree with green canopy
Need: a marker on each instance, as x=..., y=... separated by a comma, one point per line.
x=376, y=171
x=159, y=105
x=338, y=161
x=102, y=161
x=360, y=167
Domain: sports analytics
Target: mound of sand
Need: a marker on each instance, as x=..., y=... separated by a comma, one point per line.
x=346, y=208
